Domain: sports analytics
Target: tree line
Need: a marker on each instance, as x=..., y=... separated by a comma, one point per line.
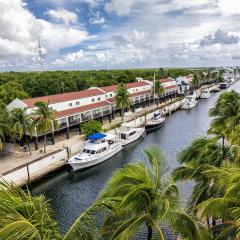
x=143, y=195
x=33, y=84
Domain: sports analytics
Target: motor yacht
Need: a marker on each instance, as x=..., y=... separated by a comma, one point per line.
x=98, y=148
x=155, y=122
x=205, y=93
x=127, y=135
x=189, y=102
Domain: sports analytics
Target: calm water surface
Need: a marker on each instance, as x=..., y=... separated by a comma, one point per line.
x=70, y=195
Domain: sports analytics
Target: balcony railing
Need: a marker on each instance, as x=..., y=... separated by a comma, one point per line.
x=62, y=125
x=106, y=112
x=86, y=117
x=75, y=121
x=97, y=114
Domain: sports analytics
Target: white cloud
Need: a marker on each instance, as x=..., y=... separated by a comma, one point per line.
x=97, y=19
x=21, y=31
x=219, y=37
x=119, y=6
x=62, y=16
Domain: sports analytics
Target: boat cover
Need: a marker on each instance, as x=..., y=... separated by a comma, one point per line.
x=96, y=136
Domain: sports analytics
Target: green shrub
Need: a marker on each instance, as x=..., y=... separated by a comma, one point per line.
x=91, y=127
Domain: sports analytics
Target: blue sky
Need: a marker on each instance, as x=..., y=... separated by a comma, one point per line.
x=103, y=34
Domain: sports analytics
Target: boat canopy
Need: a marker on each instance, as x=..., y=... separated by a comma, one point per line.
x=96, y=136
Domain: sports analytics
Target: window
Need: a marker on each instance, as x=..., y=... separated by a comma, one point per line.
x=70, y=104
x=110, y=94
x=93, y=100
x=99, y=98
x=132, y=133
x=106, y=95
x=77, y=103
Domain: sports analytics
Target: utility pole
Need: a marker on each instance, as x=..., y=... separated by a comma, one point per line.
x=62, y=83
x=40, y=55
x=154, y=78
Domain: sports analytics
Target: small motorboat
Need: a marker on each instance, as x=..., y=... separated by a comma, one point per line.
x=224, y=85
x=127, y=135
x=216, y=89
x=98, y=148
x=155, y=122
x=205, y=93
x=189, y=101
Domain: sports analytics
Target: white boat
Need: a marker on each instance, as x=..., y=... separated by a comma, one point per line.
x=98, y=148
x=189, y=102
x=155, y=122
x=205, y=93
x=127, y=135
x=224, y=85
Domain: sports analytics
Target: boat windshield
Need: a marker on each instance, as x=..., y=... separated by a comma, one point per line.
x=132, y=133
x=123, y=136
x=88, y=151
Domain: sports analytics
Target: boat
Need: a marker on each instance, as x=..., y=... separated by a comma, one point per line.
x=189, y=102
x=205, y=93
x=98, y=148
x=155, y=122
x=127, y=135
x=224, y=85
x=216, y=89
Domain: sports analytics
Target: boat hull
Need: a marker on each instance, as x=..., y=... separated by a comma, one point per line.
x=205, y=96
x=188, y=106
x=133, y=139
x=153, y=127
x=81, y=164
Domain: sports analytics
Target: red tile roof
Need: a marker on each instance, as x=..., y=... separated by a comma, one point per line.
x=62, y=97
x=140, y=93
x=109, y=88
x=166, y=80
x=77, y=110
x=170, y=87
x=129, y=85
x=111, y=100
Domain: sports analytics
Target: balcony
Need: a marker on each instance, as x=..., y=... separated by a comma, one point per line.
x=62, y=125
x=86, y=117
x=74, y=121
x=106, y=112
x=97, y=114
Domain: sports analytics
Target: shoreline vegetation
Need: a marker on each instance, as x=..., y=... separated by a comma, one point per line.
x=142, y=196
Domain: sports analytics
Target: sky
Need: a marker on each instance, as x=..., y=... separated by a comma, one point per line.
x=113, y=34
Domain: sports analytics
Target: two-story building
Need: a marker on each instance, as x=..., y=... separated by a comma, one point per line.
x=73, y=108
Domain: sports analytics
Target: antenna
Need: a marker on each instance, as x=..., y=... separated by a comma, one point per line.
x=40, y=54
x=154, y=78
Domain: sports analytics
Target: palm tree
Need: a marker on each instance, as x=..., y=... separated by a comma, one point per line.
x=4, y=127
x=196, y=81
x=159, y=90
x=23, y=216
x=21, y=124
x=196, y=158
x=226, y=115
x=142, y=195
x=226, y=208
x=44, y=117
x=122, y=98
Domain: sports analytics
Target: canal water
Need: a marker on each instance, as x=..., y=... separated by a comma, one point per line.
x=69, y=194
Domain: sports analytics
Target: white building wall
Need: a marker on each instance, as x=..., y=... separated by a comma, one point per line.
x=61, y=106
x=16, y=104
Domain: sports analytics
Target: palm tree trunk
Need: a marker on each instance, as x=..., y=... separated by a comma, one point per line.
x=223, y=147
x=45, y=142
x=29, y=149
x=122, y=112
x=149, y=235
